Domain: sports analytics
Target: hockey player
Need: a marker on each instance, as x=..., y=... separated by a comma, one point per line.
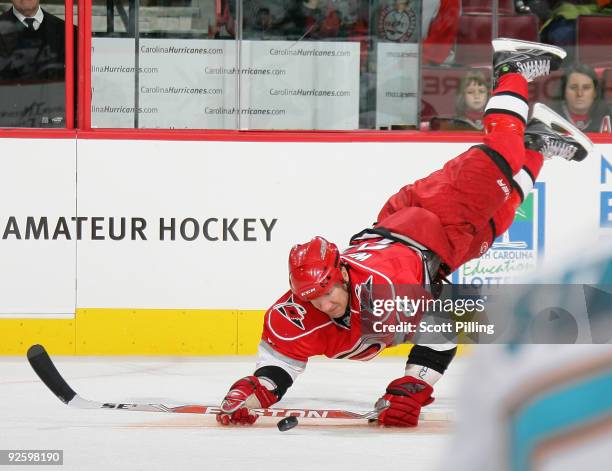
x=424, y=232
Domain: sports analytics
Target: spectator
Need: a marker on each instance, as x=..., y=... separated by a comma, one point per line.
x=316, y=19
x=354, y=25
x=472, y=98
x=32, y=66
x=31, y=43
x=581, y=102
x=559, y=19
x=440, y=23
x=278, y=19
x=267, y=19
x=225, y=23
x=354, y=19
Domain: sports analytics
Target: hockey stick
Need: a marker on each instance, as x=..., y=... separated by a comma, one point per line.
x=45, y=369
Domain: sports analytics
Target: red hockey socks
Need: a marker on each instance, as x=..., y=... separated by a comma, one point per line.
x=505, y=119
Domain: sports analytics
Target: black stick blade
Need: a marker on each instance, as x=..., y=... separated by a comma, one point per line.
x=46, y=371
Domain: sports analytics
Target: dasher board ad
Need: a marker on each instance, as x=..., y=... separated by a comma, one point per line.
x=186, y=83
x=112, y=83
x=37, y=270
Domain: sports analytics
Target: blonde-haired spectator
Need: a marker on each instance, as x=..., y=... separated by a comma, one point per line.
x=472, y=97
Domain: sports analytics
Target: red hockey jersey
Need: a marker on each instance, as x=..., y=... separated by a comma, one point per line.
x=455, y=212
x=379, y=270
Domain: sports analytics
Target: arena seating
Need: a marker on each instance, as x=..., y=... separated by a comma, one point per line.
x=505, y=7
x=475, y=32
x=607, y=84
x=594, y=40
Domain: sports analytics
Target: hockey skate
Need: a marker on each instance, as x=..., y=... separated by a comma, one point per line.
x=531, y=60
x=554, y=136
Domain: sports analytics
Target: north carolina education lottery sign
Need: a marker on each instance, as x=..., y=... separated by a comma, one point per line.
x=515, y=253
x=188, y=83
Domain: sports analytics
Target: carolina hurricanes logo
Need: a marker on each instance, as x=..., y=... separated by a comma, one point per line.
x=292, y=311
x=398, y=22
x=364, y=294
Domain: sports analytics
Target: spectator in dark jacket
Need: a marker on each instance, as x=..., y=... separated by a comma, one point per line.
x=31, y=43
x=32, y=66
x=558, y=19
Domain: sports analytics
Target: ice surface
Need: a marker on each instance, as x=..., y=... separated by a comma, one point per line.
x=31, y=417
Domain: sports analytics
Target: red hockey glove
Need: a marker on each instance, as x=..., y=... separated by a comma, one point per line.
x=405, y=396
x=245, y=394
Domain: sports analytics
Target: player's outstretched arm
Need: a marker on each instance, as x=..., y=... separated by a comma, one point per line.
x=405, y=396
x=274, y=374
x=285, y=346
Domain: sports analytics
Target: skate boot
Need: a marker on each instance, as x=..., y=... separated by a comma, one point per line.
x=531, y=60
x=553, y=136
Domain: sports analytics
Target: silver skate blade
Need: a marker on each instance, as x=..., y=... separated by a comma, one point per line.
x=513, y=45
x=543, y=113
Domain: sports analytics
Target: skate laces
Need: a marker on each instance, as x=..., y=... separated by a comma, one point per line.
x=534, y=68
x=557, y=147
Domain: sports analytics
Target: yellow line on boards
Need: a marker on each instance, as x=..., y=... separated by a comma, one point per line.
x=189, y=332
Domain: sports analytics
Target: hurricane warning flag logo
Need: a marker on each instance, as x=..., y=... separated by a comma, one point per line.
x=523, y=233
x=293, y=312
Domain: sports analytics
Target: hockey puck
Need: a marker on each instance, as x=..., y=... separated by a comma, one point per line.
x=287, y=423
